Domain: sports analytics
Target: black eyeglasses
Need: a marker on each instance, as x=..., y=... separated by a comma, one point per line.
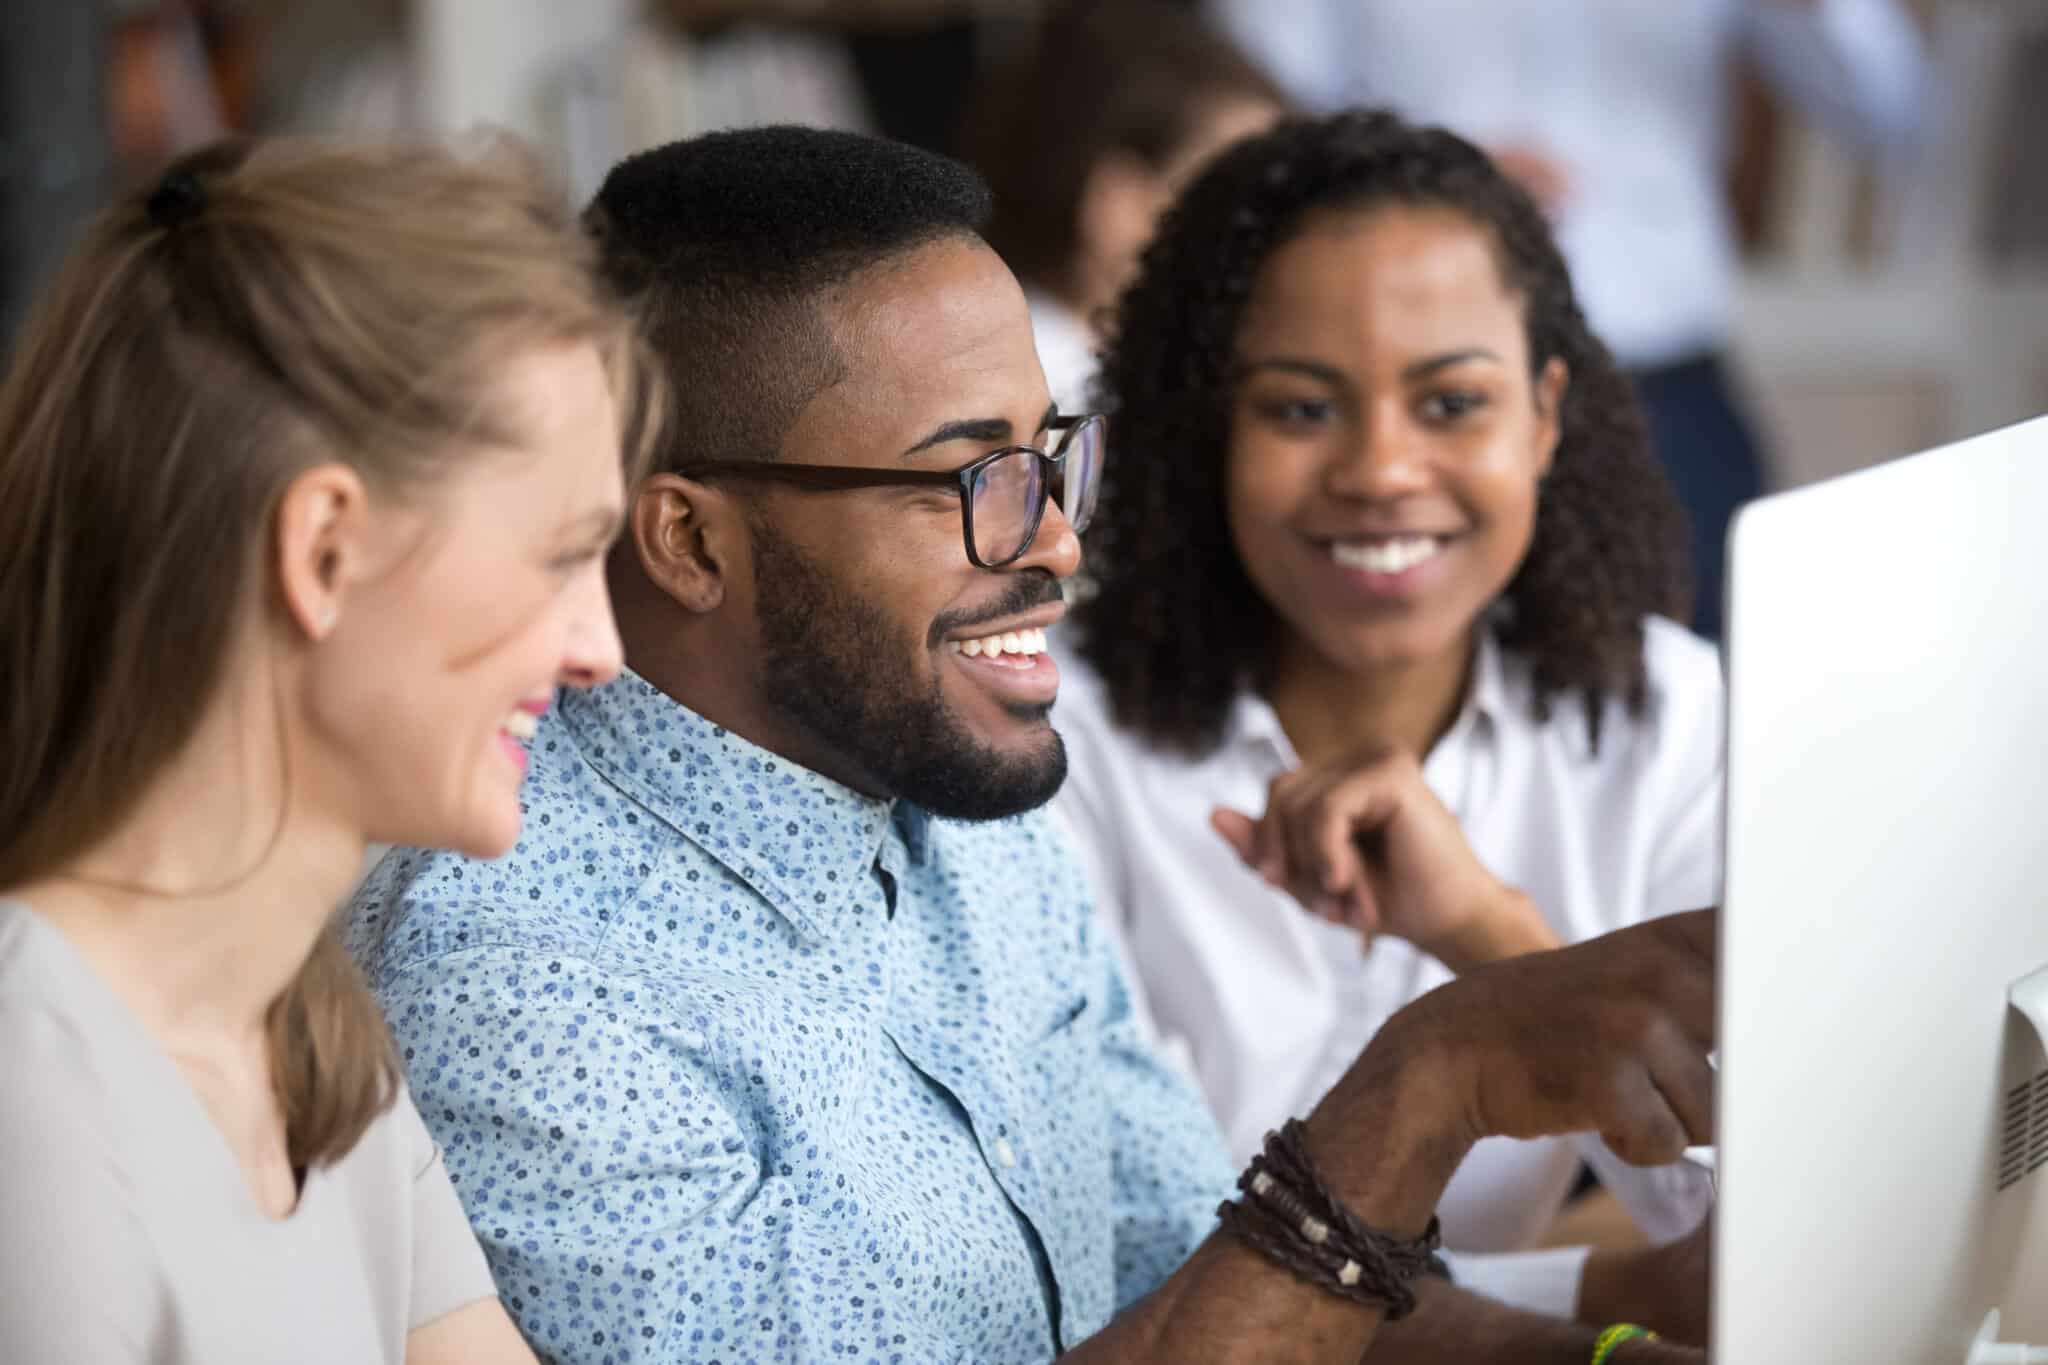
x=1002, y=494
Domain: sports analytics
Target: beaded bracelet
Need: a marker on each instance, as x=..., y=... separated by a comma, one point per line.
x=1615, y=1337
x=1290, y=1216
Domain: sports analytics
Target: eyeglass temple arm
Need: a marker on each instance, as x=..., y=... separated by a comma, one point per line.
x=825, y=476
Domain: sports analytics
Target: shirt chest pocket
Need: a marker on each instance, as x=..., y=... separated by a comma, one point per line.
x=1062, y=1179
x=1053, y=1051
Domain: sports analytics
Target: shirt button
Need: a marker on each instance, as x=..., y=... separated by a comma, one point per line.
x=1006, y=1155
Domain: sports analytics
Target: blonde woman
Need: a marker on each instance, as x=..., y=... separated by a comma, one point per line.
x=308, y=462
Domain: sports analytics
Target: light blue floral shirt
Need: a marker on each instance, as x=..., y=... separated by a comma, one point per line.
x=732, y=1064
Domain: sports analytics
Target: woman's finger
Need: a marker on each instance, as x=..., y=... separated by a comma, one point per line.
x=1240, y=831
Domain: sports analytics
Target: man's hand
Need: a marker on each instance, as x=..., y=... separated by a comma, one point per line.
x=1610, y=1036
x=1365, y=842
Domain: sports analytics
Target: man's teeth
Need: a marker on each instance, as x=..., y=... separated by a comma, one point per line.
x=1385, y=556
x=522, y=724
x=1025, y=642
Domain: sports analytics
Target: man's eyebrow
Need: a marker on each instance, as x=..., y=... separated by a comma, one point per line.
x=984, y=429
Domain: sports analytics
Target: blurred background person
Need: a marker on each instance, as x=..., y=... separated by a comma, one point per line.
x=1383, y=549
x=681, y=68
x=1884, y=304
x=326, y=67
x=1086, y=136
x=309, y=460
x=1616, y=116
x=55, y=158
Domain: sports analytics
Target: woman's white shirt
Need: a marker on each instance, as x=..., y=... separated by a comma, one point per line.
x=1267, y=1006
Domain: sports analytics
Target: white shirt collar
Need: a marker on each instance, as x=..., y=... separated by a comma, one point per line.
x=1253, y=721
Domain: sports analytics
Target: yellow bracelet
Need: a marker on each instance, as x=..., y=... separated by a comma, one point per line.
x=1615, y=1337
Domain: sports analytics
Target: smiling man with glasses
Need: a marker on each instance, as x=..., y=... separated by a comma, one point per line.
x=785, y=1033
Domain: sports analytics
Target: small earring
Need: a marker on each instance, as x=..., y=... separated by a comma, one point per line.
x=324, y=619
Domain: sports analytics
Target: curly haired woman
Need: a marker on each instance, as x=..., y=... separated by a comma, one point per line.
x=1388, y=584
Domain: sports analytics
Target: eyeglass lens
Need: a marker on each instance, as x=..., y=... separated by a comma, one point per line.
x=1009, y=494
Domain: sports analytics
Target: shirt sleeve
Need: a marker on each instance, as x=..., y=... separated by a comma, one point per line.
x=1685, y=862
x=610, y=1174
x=79, y=1284
x=1859, y=65
x=1667, y=1202
x=1544, y=1281
x=1299, y=43
x=448, y=1269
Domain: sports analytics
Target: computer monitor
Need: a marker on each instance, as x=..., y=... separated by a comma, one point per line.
x=1883, y=1108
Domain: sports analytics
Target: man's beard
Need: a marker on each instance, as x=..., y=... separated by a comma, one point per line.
x=841, y=670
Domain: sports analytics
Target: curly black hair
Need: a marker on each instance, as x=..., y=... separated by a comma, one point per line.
x=1177, y=629
x=722, y=246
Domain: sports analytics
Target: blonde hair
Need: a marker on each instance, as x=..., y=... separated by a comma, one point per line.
x=267, y=307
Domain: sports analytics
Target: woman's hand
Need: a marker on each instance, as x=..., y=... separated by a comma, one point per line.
x=1365, y=842
x=1661, y=1287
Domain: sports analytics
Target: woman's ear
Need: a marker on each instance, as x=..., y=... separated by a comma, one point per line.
x=321, y=521
x=688, y=540
x=1552, y=384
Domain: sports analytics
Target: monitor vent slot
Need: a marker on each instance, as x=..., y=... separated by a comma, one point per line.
x=2023, y=1148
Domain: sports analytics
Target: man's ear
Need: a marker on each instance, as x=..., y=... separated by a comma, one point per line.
x=688, y=538
x=318, y=539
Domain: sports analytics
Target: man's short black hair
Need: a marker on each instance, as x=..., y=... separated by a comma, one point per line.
x=723, y=244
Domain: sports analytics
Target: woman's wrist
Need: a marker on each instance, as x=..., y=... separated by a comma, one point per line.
x=1507, y=924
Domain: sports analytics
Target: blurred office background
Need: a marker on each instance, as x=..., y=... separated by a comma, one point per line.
x=1887, y=298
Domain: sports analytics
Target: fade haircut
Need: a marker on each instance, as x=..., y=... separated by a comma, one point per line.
x=724, y=245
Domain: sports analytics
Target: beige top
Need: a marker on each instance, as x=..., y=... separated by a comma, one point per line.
x=127, y=1231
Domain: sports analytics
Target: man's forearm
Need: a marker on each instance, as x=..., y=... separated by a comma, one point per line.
x=1380, y=1141
x=1609, y=1036
x=1228, y=1304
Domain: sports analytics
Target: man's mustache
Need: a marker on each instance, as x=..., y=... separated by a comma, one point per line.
x=1033, y=588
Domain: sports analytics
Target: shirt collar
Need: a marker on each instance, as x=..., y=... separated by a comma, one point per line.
x=1253, y=720
x=736, y=801
x=1486, y=698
